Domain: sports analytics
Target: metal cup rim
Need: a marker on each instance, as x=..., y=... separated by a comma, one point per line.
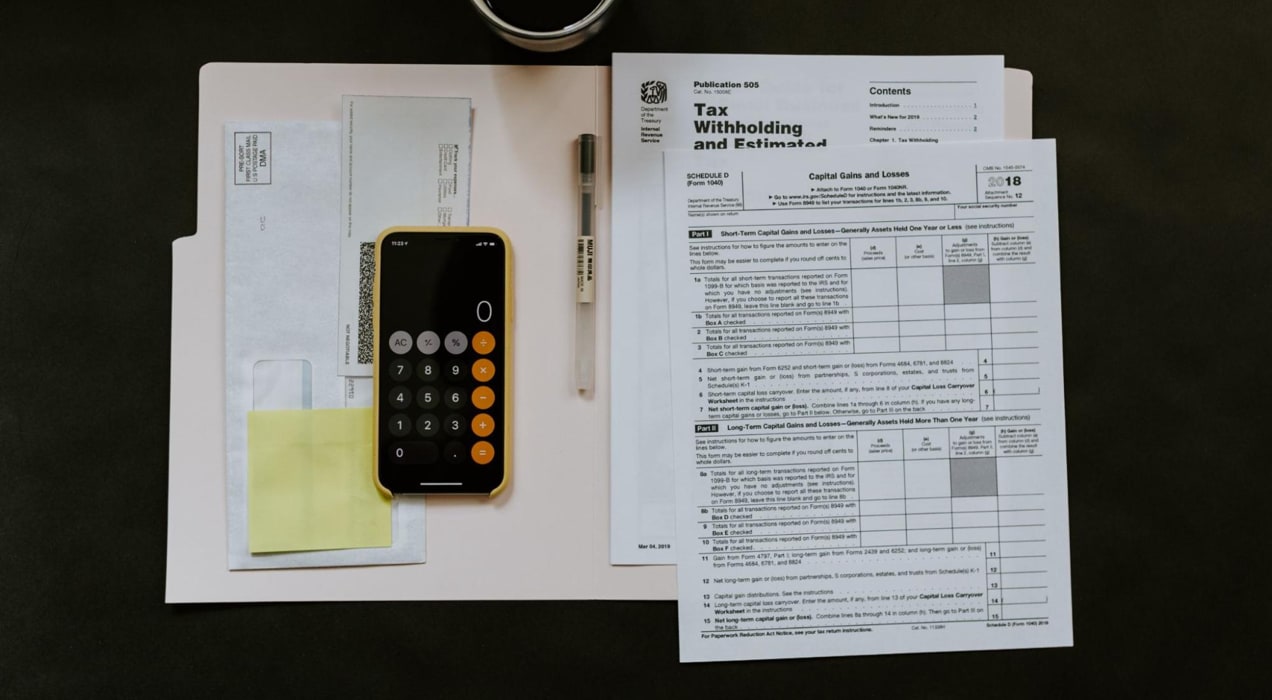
x=501, y=25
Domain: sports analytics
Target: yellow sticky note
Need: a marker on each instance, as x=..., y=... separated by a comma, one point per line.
x=310, y=483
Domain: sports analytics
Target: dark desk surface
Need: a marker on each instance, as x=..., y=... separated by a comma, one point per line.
x=1161, y=114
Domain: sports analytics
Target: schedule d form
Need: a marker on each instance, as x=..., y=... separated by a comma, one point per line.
x=868, y=400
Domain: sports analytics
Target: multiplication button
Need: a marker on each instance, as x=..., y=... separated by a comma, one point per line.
x=483, y=370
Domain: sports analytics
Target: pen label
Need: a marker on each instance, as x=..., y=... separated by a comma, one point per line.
x=584, y=264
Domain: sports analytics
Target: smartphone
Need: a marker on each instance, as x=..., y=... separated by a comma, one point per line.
x=442, y=309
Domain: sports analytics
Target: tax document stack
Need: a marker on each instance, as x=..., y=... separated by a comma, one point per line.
x=867, y=400
x=751, y=103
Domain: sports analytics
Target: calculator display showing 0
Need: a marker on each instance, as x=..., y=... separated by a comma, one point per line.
x=442, y=373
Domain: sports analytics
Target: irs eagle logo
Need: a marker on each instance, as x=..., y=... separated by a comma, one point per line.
x=653, y=92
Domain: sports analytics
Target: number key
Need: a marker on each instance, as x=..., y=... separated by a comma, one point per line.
x=399, y=425
x=399, y=397
x=428, y=370
x=454, y=370
x=399, y=369
x=454, y=398
x=428, y=397
x=428, y=425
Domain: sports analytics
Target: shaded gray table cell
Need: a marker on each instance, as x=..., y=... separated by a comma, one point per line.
x=973, y=476
x=966, y=284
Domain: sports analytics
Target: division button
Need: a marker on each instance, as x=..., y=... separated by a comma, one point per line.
x=483, y=397
x=483, y=342
x=483, y=370
x=456, y=342
x=400, y=342
x=428, y=342
x=483, y=452
x=399, y=397
x=483, y=425
x=454, y=452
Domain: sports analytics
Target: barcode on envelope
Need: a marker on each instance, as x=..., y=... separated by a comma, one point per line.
x=366, y=286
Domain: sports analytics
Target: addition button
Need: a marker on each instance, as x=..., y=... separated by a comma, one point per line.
x=483, y=425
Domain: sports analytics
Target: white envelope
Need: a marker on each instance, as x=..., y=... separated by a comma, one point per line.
x=282, y=246
x=547, y=535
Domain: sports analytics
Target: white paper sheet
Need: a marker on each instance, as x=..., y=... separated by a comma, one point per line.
x=406, y=161
x=868, y=400
x=282, y=184
x=749, y=102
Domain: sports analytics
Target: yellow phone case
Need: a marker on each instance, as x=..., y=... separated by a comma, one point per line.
x=507, y=341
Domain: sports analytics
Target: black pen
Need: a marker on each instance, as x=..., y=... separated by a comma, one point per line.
x=585, y=258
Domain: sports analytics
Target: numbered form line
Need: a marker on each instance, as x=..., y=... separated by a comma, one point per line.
x=881, y=546
x=704, y=539
x=845, y=323
x=906, y=234
x=867, y=625
x=858, y=515
x=837, y=207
